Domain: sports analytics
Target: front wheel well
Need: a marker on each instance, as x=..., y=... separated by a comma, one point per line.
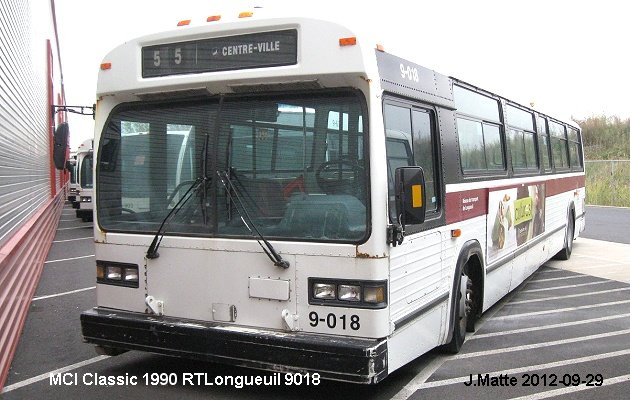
x=470, y=262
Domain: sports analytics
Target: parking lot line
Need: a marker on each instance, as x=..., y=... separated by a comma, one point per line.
x=527, y=368
x=73, y=240
x=439, y=360
x=544, y=327
x=68, y=259
x=539, y=345
x=572, y=389
x=63, y=294
x=559, y=310
x=75, y=227
x=565, y=287
x=552, y=270
x=559, y=279
x=46, y=375
x=420, y=378
x=569, y=296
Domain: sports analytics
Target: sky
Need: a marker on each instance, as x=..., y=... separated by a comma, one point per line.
x=569, y=58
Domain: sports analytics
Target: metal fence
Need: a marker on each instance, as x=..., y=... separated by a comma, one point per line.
x=608, y=182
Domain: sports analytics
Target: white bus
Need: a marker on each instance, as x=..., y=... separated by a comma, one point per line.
x=341, y=210
x=73, y=186
x=85, y=166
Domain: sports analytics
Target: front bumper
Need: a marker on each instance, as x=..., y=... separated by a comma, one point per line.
x=338, y=358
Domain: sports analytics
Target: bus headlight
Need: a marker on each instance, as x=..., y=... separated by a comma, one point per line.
x=118, y=274
x=350, y=292
x=324, y=291
x=347, y=293
x=114, y=273
x=131, y=275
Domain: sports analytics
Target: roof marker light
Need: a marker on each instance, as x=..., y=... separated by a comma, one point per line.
x=106, y=66
x=183, y=22
x=245, y=14
x=213, y=18
x=349, y=41
x=380, y=47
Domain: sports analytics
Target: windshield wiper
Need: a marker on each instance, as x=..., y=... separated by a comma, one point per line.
x=155, y=244
x=277, y=260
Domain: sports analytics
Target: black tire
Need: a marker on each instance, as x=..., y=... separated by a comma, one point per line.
x=565, y=253
x=462, y=312
x=471, y=306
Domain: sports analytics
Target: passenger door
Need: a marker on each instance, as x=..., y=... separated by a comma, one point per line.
x=417, y=274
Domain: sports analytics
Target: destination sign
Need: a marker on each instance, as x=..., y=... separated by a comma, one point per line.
x=257, y=50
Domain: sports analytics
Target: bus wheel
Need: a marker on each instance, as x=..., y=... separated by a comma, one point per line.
x=471, y=307
x=565, y=253
x=462, y=312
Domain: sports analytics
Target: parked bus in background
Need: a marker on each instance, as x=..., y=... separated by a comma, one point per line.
x=334, y=209
x=73, y=186
x=85, y=180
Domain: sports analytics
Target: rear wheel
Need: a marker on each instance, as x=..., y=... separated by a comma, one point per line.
x=565, y=253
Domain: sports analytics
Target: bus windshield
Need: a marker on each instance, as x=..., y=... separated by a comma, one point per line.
x=297, y=161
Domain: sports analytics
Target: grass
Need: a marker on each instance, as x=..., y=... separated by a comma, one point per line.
x=608, y=183
x=607, y=138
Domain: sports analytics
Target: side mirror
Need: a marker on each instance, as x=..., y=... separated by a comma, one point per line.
x=410, y=195
x=61, y=145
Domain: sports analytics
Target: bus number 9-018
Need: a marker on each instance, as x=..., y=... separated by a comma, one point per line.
x=332, y=321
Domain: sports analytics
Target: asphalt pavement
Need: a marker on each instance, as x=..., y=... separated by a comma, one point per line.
x=568, y=322
x=611, y=224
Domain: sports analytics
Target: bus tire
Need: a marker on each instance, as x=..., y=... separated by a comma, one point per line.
x=462, y=311
x=565, y=253
x=471, y=306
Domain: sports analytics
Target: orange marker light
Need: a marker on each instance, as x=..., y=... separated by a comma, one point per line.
x=106, y=66
x=456, y=233
x=213, y=18
x=380, y=47
x=245, y=14
x=349, y=41
x=183, y=22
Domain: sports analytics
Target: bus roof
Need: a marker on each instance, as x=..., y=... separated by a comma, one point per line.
x=320, y=61
x=85, y=147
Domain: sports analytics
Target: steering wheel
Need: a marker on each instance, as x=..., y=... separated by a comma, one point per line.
x=132, y=213
x=179, y=187
x=333, y=178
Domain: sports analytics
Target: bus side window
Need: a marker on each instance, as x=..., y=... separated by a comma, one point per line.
x=559, y=146
x=575, y=149
x=543, y=143
x=397, y=146
x=423, y=145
